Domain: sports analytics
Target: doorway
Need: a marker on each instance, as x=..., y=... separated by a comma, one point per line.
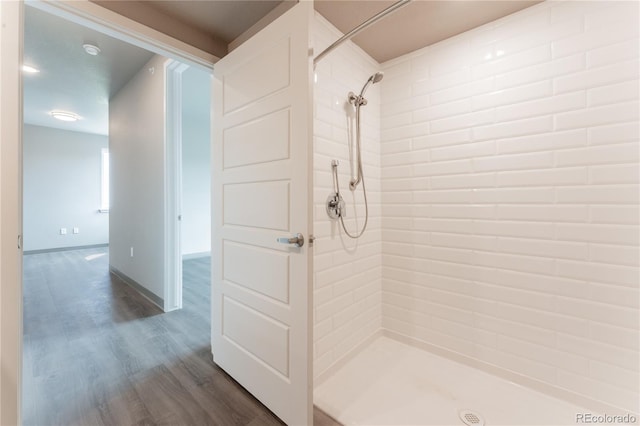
x=98, y=348
x=305, y=10
x=188, y=173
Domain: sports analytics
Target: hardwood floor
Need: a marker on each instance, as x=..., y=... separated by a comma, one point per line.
x=98, y=353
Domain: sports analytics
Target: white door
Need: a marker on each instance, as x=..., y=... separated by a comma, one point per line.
x=262, y=289
x=11, y=30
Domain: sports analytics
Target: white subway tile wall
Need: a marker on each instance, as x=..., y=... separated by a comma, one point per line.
x=509, y=179
x=347, y=273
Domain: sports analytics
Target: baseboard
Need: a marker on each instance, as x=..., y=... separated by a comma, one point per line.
x=152, y=297
x=196, y=255
x=331, y=370
x=51, y=250
x=537, y=385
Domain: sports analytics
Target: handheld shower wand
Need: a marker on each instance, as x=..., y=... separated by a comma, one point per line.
x=335, y=204
x=359, y=101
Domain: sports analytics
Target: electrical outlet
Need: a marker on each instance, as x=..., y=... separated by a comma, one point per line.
x=131, y=251
x=63, y=231
x=76, y=230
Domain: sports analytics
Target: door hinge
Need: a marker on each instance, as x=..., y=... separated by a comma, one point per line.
x=19, y=242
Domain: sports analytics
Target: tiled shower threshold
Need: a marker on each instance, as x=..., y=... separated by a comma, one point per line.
x=391, y=383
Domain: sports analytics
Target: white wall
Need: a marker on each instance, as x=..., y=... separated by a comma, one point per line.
x=346, y=272
x=196, y=162
x=61, y=189
x=510, y=196
x=136, y=142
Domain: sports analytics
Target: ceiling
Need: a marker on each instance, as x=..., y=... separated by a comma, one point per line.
x=70, y=79
x=416, y=25
x=222, y=18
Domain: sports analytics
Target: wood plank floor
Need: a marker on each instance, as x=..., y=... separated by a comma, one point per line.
x=98, y=353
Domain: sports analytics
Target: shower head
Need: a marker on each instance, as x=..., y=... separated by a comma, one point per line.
x=375, y=78
x=358, y=101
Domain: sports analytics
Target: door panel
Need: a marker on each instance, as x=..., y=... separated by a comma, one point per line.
x=249, y=83
x=263, y=262
x=257, y=204
x=242, y=144
x=261, y=331
x=264, y=338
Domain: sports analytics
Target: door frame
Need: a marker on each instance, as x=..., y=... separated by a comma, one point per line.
x=97, y=18
x=173, y=185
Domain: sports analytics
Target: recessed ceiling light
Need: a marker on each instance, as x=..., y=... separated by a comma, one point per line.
x=91, y=49
x=29, y=69
x=65, y=115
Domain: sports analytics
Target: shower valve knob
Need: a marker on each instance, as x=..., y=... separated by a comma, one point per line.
x=342, y=208
x=336, y=206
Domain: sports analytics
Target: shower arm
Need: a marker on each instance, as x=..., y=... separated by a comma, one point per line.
x=397, y=5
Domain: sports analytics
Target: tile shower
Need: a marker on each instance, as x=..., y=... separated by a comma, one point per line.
x=502, y=176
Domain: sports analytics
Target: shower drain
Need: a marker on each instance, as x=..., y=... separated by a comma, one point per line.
x=471, y=418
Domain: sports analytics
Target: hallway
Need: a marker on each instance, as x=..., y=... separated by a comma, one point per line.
x=97, y=353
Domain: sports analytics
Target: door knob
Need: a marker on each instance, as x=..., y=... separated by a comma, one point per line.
x=298, y=240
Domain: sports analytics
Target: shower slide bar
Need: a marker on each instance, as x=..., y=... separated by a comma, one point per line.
x=397, y=5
